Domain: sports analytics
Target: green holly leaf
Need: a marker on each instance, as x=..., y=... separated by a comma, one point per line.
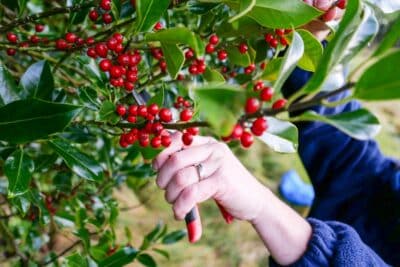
x=37, y=81
x=149, y=13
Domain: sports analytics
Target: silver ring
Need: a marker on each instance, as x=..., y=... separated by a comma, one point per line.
x=199, y=168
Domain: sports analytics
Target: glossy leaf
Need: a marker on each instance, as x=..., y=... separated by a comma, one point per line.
x=200, y=8
x=40, y=117
x=237, y=58
x=244, y=26
x=312, y=51
x=214, y=76
x=217, y=100
x=76, y=260
x=174, y=58
x=359, y=124
x=81, y=164
x=279, y=14
x=174, y=36
x=37, y=81
x=122, y=257
x=381, y=80
x=149, y=13
x=173, y=237
x=9, y=91
x=282, y=136
x=271, y=71
x=336, y=47
x=365, y=33
x=18, y=168
x=107, y=112
x=146, y=260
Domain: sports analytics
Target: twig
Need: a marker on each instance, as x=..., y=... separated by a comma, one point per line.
x=62, y=253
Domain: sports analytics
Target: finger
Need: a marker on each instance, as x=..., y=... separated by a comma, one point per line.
x=330, y=14
x=176, y=145
x=190, y=156
x=181, y=179
x=191, y=195
x=323, y=5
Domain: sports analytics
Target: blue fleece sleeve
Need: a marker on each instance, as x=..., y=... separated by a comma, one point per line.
x=335, y=244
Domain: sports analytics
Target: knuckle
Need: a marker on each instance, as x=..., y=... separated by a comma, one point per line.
x=188, y=193
x=180, y=179
x=175, y=159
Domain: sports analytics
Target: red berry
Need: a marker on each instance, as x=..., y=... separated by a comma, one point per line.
x=11, y=51
x=266, y=94
x=157, y=128
x=341, y=4
x=186, y=115
x=156, y=142
x=193, y=130
x=112, y=43
x=268, y=37
x=101, y=50
x=258, y=86
x=222, y=55
x=119, y=48
x=115, y=71
x=259, y=126
x=131, y=119
x=12, y=37
x=189, y=54
x=193, y=69
x=210, y=48
x=288, y=31
x=129, y=86
x=91, y=52
x=237, y=131
x=90, y=41
x=26, y=44
x=123, y=59
x=187, y=138
x=283, y=41
x=280, y=32
x=142, y=111
x=119, y=37
x=133, y=110
x=252, y=105
x=180, y=100
x=153, y=109
x=273, y=43
x=165, y=115
x=249, y=69
x=243, y=48
x=201, y=68
x=131, y=76
x=39, y=27
x=105, y=4
x=121, y=110
x=105, y=64
x=180, y=77
x=80, y=41
x=246, y=139
x=187, y=104
x=278, y=104
x=70, y=37
x=61, y=44
x=166, y=140
x=107, y=18
x=35, y=39
x=93, y=15
x=144, y=139
x=163, y=65
x=158, y=26
x=214, y=40
x=263, y=65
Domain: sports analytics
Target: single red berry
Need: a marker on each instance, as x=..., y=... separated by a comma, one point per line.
x=157, y=128
x=107, y=18
x=237, y=131
x=11, y=51
x=121, y=110
x=201, y=68
x=243, y=48
x=259, y=126
x=186, y=115
x=189, y=54
x=26, y=44
x=61, y=44
x=268, y=37
x=280, y=32
x=214, y=39
x=166, y=140
x=273, y=43
x=278, y=104
x=144, y=139
x=90, y=41
x=123, y=59
x=101, y=50
x=131, y=119
x=249, y=69
x=193, y=69
x=80, y=41
x=252, y=105
x=263, y=65
x=266, y=94
x=158, y=26
x=165, y=115
x=12, y=37
x=246, y=139
x=156, y=142
x=115, y=71
x=119, y=48
x=193, y=130
x=93, y=15
x=133, y=110
x=131, y=76
x=180, y=100
x=163, y=65
x=210, y=48
x=119, y=37
x=341, y=4
x=142, y=111
x=105, y=64
x=112, y=43
x=187, y=139
x=222, y=55
x=153, y=109
x=258, y=86
x=70, y=37
x=187, y=104
x=288, y=31
x=105, y=4
x=180, y=77
x=129, y=86
x=91, y=52
x=39, y=27
x=283, y=41
x=122, y=141
x=35, y=39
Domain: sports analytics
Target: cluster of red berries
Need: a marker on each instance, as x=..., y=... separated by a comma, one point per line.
x=197, y=66
x=70, y=40
x=104, y=10
x=279, y=37
x=33, y=39
x=154, y=118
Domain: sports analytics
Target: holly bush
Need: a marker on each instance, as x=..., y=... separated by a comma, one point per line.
x=90, y=92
